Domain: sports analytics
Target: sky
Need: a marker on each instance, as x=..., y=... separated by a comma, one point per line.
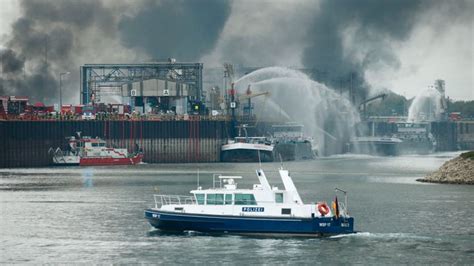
x=399, y=45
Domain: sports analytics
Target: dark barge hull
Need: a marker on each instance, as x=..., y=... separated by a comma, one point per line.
x=243, y=155
x=25, y=143
x=294, y=151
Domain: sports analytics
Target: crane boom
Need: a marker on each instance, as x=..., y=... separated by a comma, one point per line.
x=253, y=95
x=383, y=95
x=363, y=105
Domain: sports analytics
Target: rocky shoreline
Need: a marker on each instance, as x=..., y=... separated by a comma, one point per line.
x=459, y=170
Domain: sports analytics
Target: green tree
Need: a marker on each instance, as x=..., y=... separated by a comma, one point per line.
x=466, y=108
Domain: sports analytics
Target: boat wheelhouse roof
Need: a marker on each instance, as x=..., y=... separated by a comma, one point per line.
x=289, y=126
x=250, y=137
x=229, y=177
x=95, y=141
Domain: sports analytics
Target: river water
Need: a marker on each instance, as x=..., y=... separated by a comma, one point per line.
x=95, y=215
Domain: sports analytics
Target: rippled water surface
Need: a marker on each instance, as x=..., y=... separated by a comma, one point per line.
x=95, y=215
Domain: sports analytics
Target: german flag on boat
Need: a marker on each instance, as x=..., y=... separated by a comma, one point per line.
x=335, y=207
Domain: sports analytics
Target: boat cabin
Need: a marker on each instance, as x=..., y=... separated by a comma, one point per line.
x=225, y=198
x=227, y=193
x=90, y=143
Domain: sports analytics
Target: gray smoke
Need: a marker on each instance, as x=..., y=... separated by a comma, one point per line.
x=334, y=41
x=52, y=36
x=373, y=22
x=44, y=42
x=181, y=29
x=10, y=61
x=374, y=25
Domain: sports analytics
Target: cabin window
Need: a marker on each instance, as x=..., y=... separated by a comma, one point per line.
x=210, y=199
x=95, y=144
x=101, y=144
x=200, y=199
x=219, y=199
x=279, y=197
x=215, y=199
x=285, y=211
x=228, y=199
x=245, y=199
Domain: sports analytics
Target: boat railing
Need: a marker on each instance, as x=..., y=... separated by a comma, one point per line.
x=343, y=209
x=342, y=205
x=161, y=200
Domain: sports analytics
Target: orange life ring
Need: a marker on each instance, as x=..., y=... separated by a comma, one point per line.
x=323, y=208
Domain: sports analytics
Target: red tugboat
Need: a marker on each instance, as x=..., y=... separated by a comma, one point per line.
x=86, y=151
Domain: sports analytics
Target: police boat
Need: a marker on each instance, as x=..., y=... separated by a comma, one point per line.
x=262, y=210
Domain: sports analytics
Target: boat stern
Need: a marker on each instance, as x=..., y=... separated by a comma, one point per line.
x=333, y=225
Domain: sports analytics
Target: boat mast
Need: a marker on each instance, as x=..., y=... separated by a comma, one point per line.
x=290, y=186
x=263, y=180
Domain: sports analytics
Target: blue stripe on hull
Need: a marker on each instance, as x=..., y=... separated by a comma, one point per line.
x=244, y=224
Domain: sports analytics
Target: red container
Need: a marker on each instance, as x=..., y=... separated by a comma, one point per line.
x=78, y=109
x=66, y=109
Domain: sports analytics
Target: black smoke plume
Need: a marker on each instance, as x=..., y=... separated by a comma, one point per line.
x=374, y=24
x=10, y=62
x=52, y=36
x=185, y=30
x=42, y=44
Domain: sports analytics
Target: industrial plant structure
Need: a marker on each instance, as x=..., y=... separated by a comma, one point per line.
x=160, y=107
x=170, y=86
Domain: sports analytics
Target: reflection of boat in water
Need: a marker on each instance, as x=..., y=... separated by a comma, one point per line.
x=86, y=151
x=291, y=144
x=416, y=138
x=375, y=145
x=265, y=209
x=247, y=149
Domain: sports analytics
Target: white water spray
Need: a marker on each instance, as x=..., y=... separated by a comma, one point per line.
x=427, y=106
x=327, y=116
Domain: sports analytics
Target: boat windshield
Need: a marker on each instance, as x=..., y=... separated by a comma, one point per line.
x=200, y=199
x=245, y=199
x=215, y=199
x=225, y=199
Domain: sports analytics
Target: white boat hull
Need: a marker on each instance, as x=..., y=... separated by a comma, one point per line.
x=66, y=160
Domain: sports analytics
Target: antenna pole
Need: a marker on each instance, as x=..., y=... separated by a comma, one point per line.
x=259, y=160
x=198, y=179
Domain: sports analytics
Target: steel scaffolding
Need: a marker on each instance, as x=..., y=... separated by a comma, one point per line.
x=94, y=77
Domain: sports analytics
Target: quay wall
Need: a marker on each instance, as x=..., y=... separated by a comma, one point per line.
x=465, y=135
x=26, y=143
x=453, y=135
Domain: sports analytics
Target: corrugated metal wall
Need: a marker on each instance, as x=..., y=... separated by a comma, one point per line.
x=26, y=143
